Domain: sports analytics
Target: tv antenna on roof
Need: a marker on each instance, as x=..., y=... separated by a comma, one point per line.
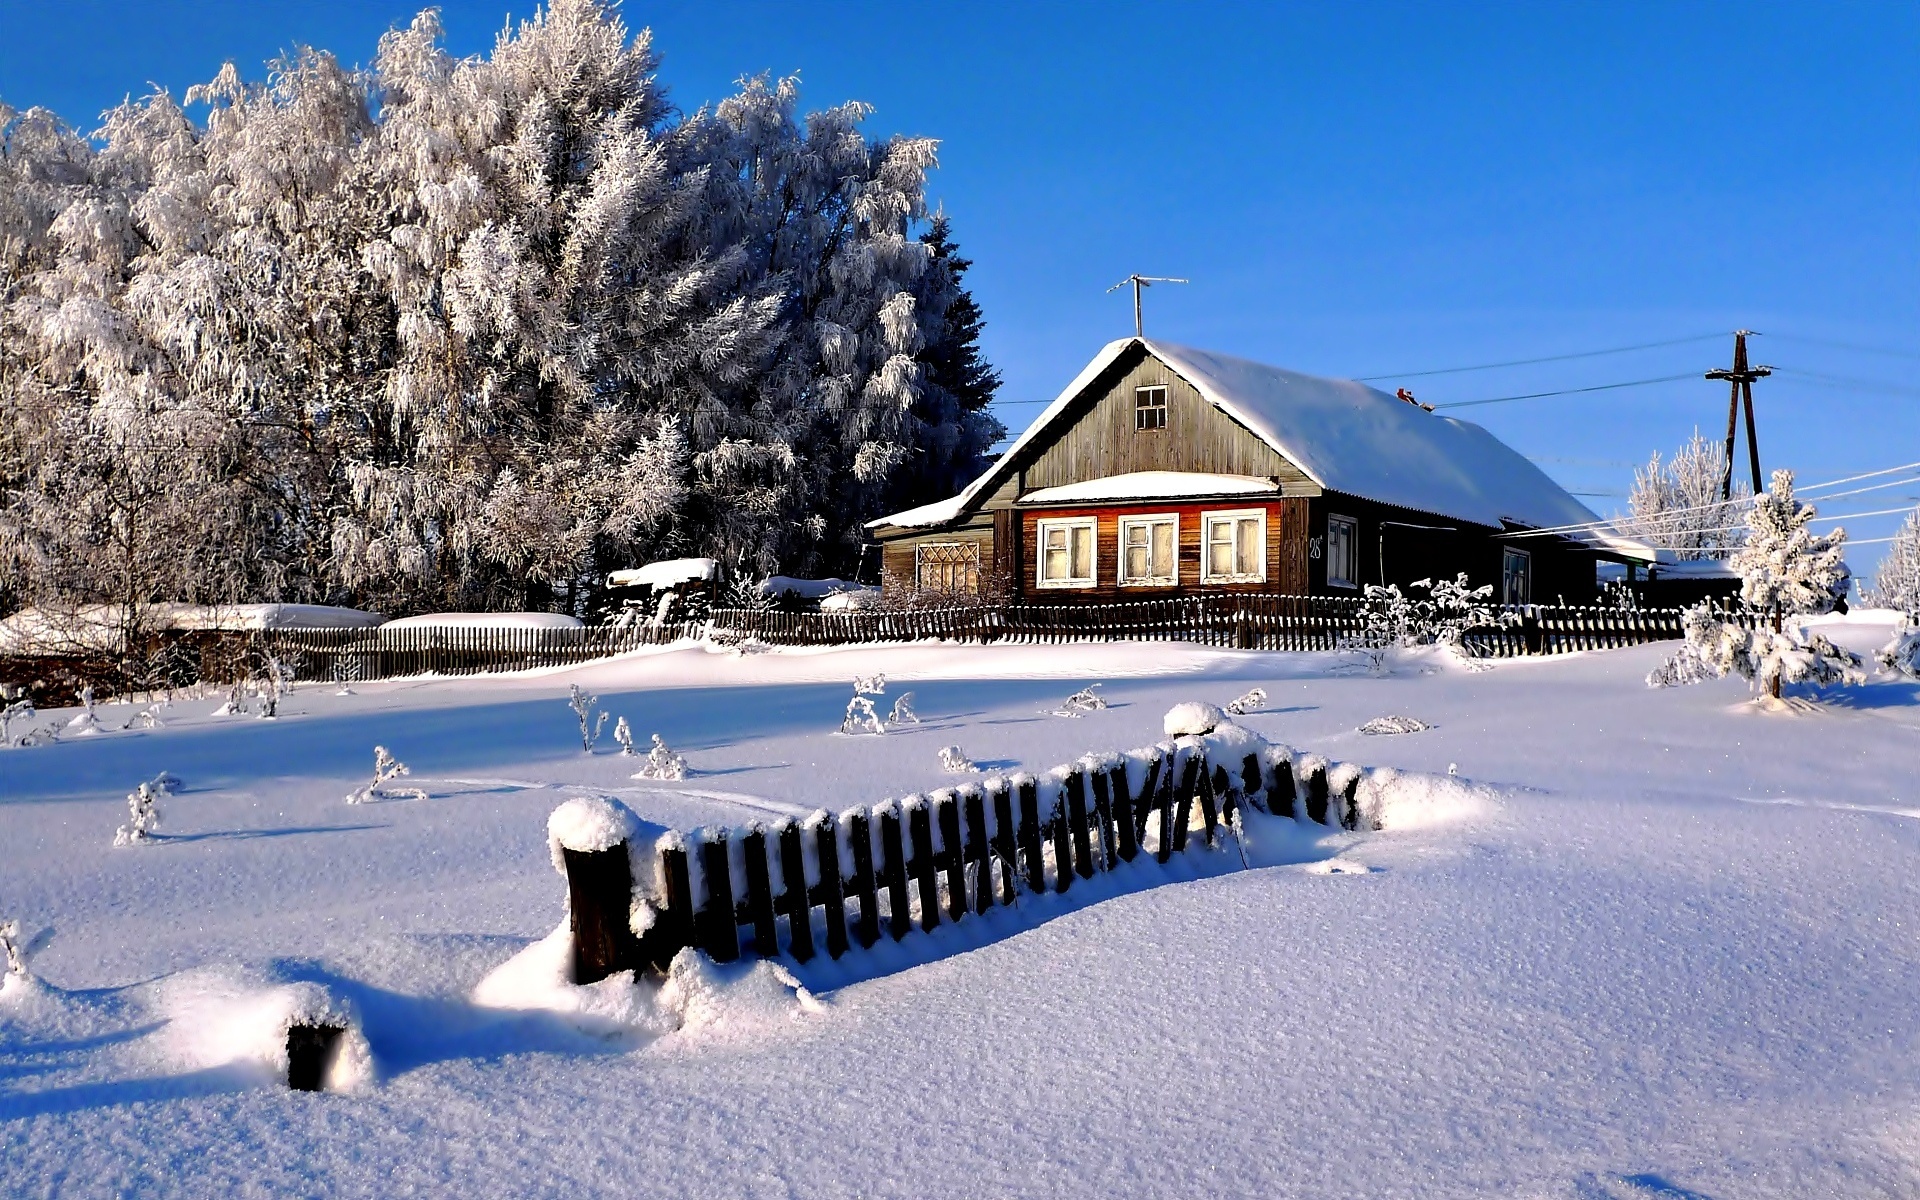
x=1138, y=282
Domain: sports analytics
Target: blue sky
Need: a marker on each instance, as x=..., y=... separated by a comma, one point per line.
x=1354, y=189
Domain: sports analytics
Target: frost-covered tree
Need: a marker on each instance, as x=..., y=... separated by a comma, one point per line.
x=1786, y=570
x=143, y=816
x=1901, y=654
x=1897, y=583
x=1676, y=504
x=465, y=332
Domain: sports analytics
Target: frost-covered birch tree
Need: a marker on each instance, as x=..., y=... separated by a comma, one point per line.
x=1676, y=504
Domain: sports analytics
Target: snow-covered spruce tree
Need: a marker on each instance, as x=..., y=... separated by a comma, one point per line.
x=1785, y=570
x=1897, y=583
x=1676, y=504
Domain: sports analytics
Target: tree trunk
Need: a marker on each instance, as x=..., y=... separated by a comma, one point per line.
x=1776, y=674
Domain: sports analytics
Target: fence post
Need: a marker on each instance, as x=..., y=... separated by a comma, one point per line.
x=832, y=886
x=794, y=898
x=599, y=902
x=753, y=848
x=866, y=930
x=714, y=928
x=310, y=1051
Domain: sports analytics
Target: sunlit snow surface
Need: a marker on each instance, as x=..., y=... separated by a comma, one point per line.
x=1675, y=956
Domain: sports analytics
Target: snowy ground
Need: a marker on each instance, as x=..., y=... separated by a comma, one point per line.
x=1676, y=958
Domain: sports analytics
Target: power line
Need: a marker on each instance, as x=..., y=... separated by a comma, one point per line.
x=1847, y=381
x=1598, y=387
x=1597, y=525
x=1854, y=346
x=1528, y=362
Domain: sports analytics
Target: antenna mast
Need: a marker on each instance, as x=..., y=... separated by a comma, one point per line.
x=1138, y=282
x=1740, y=377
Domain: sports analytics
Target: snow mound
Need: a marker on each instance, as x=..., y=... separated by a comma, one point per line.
x=222, y=1017
x=733, y=1003
x=1401, y=800
x=540, y=979
x=1338, y=866
x=665, y=574
x=1395, y=724
x=1192, y=718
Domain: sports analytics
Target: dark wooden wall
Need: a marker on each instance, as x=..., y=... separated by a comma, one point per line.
x=1286, y=550
x=1198, y=436
x=1415, y=546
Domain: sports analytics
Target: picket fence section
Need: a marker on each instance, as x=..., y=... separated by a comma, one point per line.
x=1296, y=623
x=840, y=883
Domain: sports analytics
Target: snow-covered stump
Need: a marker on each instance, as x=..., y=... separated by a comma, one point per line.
x=310, y=1054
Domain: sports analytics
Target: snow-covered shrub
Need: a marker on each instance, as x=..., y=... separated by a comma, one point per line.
x=903, y=713
x=623, y=734
x=1901, y=654
x=236, y=702
x=954, y=761
x=1081, y=703
x=1394, y=724
x=1784, y=567
x=1443, y=617
x=662, y=763
x=146, y=718
x=583, y=703
x=386, y=768
x=1253, y=701
x=88, y=721
x=860, y=715
x=143, y=816
x=870, y=685
x=13, y=711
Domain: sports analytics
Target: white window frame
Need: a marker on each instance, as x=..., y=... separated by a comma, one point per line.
x=1149, y=520
x=1160, y=409
x=1206, y=546
x=1353, y=555
x=1526, y=556
x=1041, y=529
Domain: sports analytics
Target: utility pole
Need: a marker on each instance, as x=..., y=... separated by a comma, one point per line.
x=1741, y=378
x=1138, y=282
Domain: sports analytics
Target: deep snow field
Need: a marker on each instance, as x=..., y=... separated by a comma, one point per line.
x=1674, y=954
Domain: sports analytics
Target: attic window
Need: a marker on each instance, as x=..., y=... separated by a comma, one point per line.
x=1149, y=408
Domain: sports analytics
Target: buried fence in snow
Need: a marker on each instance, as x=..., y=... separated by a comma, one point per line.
x=835, y=884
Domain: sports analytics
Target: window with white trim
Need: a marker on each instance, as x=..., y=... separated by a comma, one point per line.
x=1065, y=550
x=1150, y=550
x=1516, y=576
x=1149, y=408
x=1343, y=552
x=1233, y=546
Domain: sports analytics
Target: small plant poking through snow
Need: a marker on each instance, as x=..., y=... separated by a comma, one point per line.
x=143, y=816
x=1081, y=703
x=955, y=762
x=583, y=703
x=1394, y=724
x=386, y=768
x=15, y=710
x=860, y=715
x=236, y=704
x=20, y=950
x=1253, y=701
x=623, y=734
x=88, y=721
x=1901, y=654
x=662, y=763
x=903, y=713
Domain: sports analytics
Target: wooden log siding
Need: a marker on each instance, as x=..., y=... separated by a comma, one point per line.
x=832, y=884
x=1286, y=562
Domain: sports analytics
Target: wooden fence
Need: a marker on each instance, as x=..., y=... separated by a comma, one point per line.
x=842, y=883
x=1297, y=623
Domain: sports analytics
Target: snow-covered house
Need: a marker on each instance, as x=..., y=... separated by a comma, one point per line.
x=1163, y=469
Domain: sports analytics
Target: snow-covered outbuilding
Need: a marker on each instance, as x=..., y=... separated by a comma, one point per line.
x=1163, y=469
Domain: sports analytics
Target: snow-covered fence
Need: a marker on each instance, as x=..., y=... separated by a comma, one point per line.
x=841, y=883
x=353, y=655
x=1298, y=623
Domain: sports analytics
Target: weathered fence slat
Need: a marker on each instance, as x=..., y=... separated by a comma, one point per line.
x=794, y=898
x=866, y=928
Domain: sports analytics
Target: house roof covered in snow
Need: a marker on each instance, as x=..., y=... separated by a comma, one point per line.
x=1347, y=437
